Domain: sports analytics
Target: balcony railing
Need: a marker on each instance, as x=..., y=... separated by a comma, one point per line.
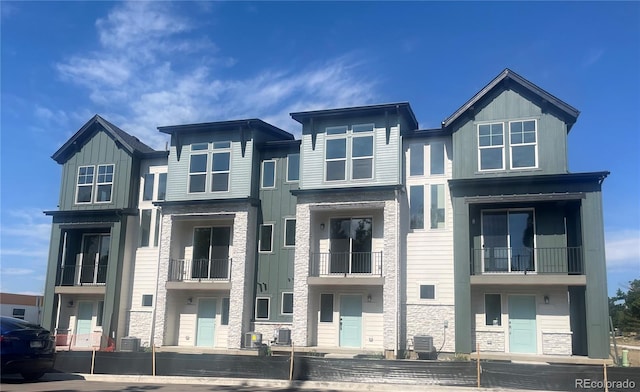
x=346, y=264
x=198, y=270
x=82, y=275
x=563, y=261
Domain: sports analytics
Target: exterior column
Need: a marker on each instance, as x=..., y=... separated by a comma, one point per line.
x=242, y=275
x=390, y=274
x=159, y=322
x=299, y=334
x=461, y=271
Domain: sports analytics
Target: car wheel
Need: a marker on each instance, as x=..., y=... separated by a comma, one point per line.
x=32, y=376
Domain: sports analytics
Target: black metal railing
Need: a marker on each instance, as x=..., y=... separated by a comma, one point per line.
x=561, y=260
x=82, y=275
x=181, y=270
x=345, y=263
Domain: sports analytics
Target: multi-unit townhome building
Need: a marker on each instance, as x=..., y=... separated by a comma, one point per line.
x=364, y=234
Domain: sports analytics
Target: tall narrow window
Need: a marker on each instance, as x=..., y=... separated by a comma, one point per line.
x=287, y=303
x=224, y=313
x=416, y=159
x=266, y=238
x=336, y=159
x=326, y=308
x=99, y=313
x=416, y=206
x=491, y=146
x=293, y=167
x=436, y=153
x=85, y=184
x=197, y=173
x=523, y=144
x=220, y=167
x=492, y=309
x=268, y=174
x=162, y=186
x=145, y=227
x=148, y=186
x=362, y=157
x=289, y=232
x=156, y=231
x=104, y=183
x=437, y=206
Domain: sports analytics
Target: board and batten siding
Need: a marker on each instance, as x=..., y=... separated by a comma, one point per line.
x=386, y=158
x=507, y=106
x=240, y=168
x=99, y=149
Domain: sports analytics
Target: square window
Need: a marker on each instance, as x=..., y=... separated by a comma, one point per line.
x=147, y=300
x=326, y=308
x=289, y=232
x=293, y=167
x=268, y=174
x=287, y=303
x=427, y=291
x=492, y=309
x=19, y=313
x=262, y=308
x=266, y=238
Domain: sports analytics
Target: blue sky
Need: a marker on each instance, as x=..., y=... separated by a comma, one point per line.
x=144, y=65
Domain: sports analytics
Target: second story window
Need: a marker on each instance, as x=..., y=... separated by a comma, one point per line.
x=491, y=146
x=221, y=163
x=162, y=186
x=293, y=167
x=198, y=168
x=104, y=183
x=268, y=174
x=416, y=207
x=522, y=139
x=349, y=153
x=147, y=194
x=416, y=159
x=436, y=154
x=84, y=191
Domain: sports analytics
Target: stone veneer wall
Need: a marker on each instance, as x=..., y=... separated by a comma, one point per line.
x=429, y=320
x=556, y=343
x=490, y=341
x=140, y=322
x=346, y=200
x=242, y=269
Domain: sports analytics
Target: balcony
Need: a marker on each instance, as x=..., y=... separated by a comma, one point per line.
x=359, y=268
x=79, y=279
x=501, y=265
x=183, y=273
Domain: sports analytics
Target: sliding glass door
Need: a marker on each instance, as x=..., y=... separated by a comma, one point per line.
x=508, y=241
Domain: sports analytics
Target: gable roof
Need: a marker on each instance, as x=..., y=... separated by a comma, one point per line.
x=401, y=107
x=130, y=143
x=568, y=112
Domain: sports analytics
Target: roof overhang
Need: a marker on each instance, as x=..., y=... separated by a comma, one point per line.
x=85, y=213
x=251, y=123
x=534, y=179
x=402, y=108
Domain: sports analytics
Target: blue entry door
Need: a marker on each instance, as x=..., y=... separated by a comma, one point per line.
x=206, y=323
x=351, y=321
x=83, y=324
x=522, y=324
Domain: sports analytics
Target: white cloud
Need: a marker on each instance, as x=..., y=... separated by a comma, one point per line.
x=623, y=248
x=16, y=271
x=136, y=79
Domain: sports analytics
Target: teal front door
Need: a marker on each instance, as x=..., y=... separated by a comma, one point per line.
x=351, y=321
x=206, y=323
x=83, y=324
x=522, y=324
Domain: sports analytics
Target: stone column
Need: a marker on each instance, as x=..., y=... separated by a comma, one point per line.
x=299, y=334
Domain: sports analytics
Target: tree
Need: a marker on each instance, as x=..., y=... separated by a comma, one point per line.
x=624, y=308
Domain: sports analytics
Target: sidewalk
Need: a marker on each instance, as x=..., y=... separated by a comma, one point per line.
x=280, y=384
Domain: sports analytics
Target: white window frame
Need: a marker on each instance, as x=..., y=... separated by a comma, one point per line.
x=282, y=303
x=190, y=173
x=260, y=238
x=423, y=206
x=431, y=206
x=480, y=148
x=435, y=291
x=349, y=135
x=90, y=185
x=221, y=150
x=284, y=240
x=150, y=235
x=287, y=179
x=98, y=183
x=275, y=168
x=144, y=186
x=255, y=315
x=443, y=145
x=534, y=144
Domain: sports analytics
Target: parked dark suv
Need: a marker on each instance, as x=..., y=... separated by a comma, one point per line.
x=25, y=348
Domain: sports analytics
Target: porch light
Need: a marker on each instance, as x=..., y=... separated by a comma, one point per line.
x=321, y=226
x=70, y=304
x=369, y=298
x=546, y=299
x=190, y=301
